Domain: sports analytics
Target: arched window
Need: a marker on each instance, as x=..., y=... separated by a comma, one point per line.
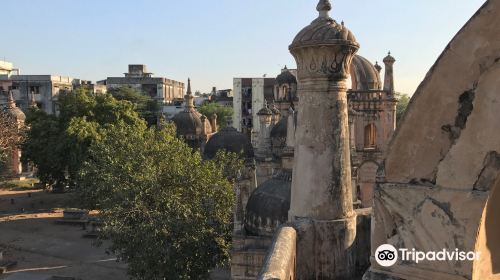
x=370, y=136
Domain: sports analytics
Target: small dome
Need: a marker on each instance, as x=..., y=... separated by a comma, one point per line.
x=389, y=59
x=268, y=206
x=13, y=110
x=275, y=110
x=228, y=139
x=188, y=122
x=324, y=30
x=286, y=77
x=364, y=74
x=265, y=111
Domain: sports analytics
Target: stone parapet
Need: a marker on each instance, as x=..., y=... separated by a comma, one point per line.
x=280, y=261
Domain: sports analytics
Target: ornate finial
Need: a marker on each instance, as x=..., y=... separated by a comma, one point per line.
x=323, y=8
x=377, y=66
x=188, y=98
x=12, y=102
x=342, y=23
x=285, y=68
x=189, y=87
x=389, y=58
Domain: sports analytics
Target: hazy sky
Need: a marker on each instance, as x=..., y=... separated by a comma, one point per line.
x=214, y=41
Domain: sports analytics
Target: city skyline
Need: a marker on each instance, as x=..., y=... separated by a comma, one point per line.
x=94, y=40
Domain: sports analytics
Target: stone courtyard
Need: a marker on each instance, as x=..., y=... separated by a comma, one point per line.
x=43, y=248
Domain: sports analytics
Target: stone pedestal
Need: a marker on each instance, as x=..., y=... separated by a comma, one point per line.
x=325, y=248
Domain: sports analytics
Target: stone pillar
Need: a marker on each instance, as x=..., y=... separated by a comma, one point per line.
x=290, y=132
x=389, y=74
x=213, y=123
x=321, y=199
x=264, y=141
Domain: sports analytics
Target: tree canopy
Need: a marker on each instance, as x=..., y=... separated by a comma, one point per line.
x=11, y=134
x=223, y=113
x=403, y=101
x=58, y=145
x=166, y=211
x=147, y=107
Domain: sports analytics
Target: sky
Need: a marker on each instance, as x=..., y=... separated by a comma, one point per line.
x=214, y=41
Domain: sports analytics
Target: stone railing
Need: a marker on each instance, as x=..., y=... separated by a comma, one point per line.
x=280, y=260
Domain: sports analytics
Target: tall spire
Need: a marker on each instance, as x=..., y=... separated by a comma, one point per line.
x=323, y=8
x=189, y=87
x=188, y=98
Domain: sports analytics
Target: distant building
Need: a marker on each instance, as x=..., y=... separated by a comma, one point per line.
x=88, y=85
x=164, y=90
x=6, y=69
x=222, y=97
x=248, y=98
x=42, y=89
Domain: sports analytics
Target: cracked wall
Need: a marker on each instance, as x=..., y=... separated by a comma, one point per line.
x=435, y=189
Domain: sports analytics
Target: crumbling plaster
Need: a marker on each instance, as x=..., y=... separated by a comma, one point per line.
x=441, y=165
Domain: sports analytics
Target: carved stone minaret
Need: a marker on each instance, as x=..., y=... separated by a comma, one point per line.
x=264, y=141
x=321, y=198
x=389, y=73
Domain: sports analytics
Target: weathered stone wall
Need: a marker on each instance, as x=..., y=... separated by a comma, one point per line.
x=442, y=164
x=237, y=103
x=247, y=255
x=257, y=104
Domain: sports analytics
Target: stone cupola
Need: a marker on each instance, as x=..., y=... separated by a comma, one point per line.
x=324, y=47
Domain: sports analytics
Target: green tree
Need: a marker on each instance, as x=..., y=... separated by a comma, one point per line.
x=223, y=113
x=166, y=211
x=147, y=107
x=58, y=145
x=11, y=134
x=403, y=101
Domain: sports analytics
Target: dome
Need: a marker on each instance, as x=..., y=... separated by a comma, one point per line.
x=324, y=30
x=231, y=140
x=188, y=122
x=364, y=74
x=389, y=59
x=286, y=77
x=268, y=206
x=265, y=111
x=13, y=110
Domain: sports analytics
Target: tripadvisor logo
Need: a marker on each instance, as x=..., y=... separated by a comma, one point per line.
x=388, y=255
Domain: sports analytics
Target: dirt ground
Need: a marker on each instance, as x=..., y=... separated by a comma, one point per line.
x=29, y=235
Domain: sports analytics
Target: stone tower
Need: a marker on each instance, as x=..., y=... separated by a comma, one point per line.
x=321, y=197
x=389, y=74
x=264, y=141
